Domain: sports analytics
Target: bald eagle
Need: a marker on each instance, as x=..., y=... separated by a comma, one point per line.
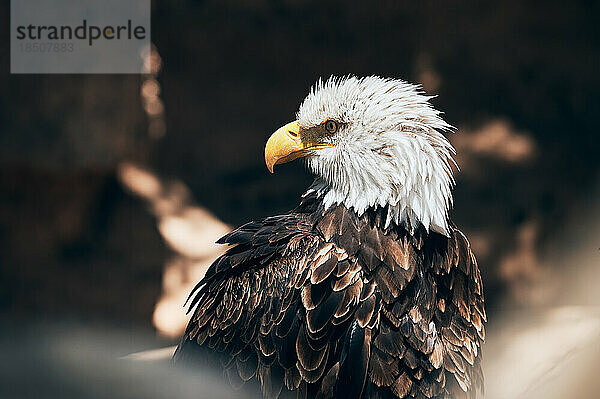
x=366, y=289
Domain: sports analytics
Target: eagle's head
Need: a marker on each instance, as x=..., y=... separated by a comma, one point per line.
x=372, y=142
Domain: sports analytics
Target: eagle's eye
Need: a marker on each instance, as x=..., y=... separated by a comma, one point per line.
x=331, y=126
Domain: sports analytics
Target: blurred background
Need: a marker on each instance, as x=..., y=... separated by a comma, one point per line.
x=113, y=188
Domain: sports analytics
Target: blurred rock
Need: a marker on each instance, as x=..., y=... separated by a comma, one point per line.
x=543, y=354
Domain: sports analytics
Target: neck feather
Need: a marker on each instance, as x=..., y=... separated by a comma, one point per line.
x=414, y=185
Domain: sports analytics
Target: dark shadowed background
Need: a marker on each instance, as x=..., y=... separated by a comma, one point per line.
x=113, y=188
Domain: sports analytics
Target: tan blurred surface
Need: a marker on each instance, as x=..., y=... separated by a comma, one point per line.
x=553, y=351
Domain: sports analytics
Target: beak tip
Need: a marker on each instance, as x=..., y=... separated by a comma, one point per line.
x=283, y=146
x=269, y=163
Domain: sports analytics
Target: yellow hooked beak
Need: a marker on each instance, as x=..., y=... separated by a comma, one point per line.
x=291, y=141
x=284, y=145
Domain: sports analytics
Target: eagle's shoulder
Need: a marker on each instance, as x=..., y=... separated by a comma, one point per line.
x=260, y=259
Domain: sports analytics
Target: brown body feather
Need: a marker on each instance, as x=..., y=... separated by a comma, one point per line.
x=326, y=304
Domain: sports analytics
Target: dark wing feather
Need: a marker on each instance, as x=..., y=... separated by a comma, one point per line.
x=245, y=307
x=354, y=362
x=460, y=315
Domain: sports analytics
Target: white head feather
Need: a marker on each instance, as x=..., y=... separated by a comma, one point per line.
x=389, y=150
